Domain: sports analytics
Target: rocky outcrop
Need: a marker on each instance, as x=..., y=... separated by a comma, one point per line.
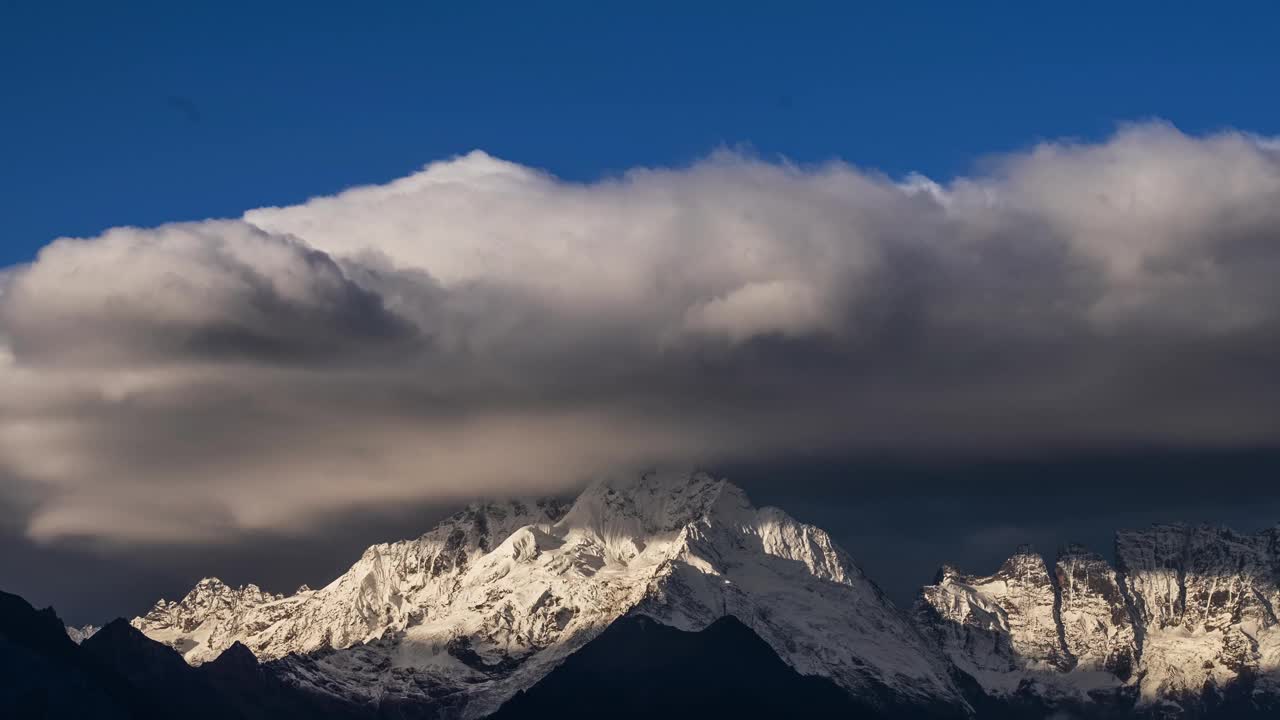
x=82, y=633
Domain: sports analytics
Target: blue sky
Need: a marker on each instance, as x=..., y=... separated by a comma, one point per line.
x=143, y=113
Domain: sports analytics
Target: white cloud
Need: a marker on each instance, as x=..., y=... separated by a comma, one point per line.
x=484, y=327
x=759, y=308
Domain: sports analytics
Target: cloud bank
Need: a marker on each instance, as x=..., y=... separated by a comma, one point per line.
x=483, y=327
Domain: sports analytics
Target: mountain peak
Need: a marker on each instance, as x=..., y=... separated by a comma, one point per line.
x=652, y=502
x=237, y=655
x=210, y=584
x=1074, y=550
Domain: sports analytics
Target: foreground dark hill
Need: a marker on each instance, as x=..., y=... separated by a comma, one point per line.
x=636, y=668
x=639, y=668
x=45, y=675
x=121, y=673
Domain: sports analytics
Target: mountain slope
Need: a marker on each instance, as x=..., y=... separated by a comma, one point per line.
x=489, y=602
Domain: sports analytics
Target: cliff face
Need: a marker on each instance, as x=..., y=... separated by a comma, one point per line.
x=1205, y=600
x=1097, y=626
x=1187, y=617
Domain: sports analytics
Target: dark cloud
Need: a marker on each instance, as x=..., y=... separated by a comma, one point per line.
x=480, y=327
x=191, y=293
x=901, y=518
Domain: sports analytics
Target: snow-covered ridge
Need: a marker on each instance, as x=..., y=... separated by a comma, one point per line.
x=1188, y=608
x=489, y=601
x=387, y=586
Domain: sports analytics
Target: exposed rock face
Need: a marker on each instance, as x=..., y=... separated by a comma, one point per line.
x=492, y=600
x=1206, y=600
x=1097, y=628
x=1004, y=629
x=82, y=633
x=1187, y=620
x=1021, y=606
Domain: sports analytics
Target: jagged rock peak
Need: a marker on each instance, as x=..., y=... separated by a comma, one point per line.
x=947, y=573
x=1072, y=550
x=1026, y=566
x=1003, y=622
x=212, y=586
x=82, y=633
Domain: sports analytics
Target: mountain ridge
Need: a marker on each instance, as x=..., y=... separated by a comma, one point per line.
x=493, y=599
x=469, y=623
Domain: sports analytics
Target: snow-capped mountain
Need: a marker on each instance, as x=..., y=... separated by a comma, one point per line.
x=490, y=601
x=391, y=586
x=1188, y=618
x=494, y=598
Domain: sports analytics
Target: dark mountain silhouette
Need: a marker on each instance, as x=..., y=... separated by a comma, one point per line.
x=119, y=673
x=253, y=692
x=43, y=674
x=638, y=668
